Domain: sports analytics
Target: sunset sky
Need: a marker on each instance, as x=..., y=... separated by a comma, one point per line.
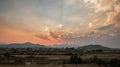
x=49, y=22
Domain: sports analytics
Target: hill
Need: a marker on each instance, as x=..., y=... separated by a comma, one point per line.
x=31, y=45
x=22, y=45
x=95, y=47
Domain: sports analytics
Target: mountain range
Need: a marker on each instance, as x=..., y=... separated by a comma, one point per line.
x=31, y=45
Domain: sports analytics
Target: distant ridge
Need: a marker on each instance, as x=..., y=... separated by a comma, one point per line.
x=31, y=45
x=86, y=47
x=22, y=45
x=95, y=47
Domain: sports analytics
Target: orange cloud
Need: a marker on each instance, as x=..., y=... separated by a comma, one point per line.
x=113, y=17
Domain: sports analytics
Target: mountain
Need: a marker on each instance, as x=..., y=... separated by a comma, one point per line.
x=95, y=47
x=31, y=45
x=22, y=45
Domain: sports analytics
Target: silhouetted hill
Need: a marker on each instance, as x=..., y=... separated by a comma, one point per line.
x=22, y=45
x=95, y=47
x=31, y=45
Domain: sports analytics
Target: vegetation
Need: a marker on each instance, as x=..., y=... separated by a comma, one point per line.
x=75, y=59
x=59, y=56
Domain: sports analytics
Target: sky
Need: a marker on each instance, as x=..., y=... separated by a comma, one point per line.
x=56, y=22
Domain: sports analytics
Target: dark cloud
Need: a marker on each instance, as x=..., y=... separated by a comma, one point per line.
x=112, y=23
x=107, y=27
x=55, y=36
x=117, y=18
x=114, y=16
x=42, y=37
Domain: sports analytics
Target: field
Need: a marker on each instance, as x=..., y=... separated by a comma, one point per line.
x=67, y=57
x=53, y=65
x=58, y=58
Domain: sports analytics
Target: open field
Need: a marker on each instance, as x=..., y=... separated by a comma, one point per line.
x=53, y=65
x=57, y=62
x=68, y=57
x=101, y=55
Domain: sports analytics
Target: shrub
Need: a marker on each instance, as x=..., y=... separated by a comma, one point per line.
x=75, y=59
x=114, y=63
x=98, y=61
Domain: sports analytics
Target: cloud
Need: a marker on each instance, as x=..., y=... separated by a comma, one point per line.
x=90, y=25
x=113, y=17
x=100, y=5
x=106, y=27
x=53, y=35
x=49, y=35
x=111, y=25
x=42, y=37
x=70, y=2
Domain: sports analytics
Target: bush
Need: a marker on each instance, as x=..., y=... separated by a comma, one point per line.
x=68, y=53
x=114, y=63
x=75, y=59
x=7, y=55
x=98, y=61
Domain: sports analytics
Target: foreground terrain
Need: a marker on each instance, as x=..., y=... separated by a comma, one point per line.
x=58, y=57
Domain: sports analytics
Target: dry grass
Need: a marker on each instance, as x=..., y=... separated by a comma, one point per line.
x=101, y=55
x=53, y=65
x=67, y=57
x=48, y=56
